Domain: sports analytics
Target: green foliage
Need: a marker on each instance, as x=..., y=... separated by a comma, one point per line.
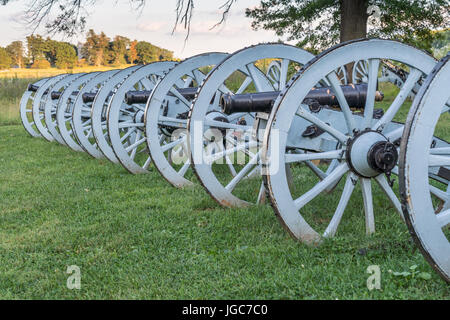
x=16, y=52
x=316, y=23
x=146, y=53
x=66, y=55
x=36, y=47
x=5, y=59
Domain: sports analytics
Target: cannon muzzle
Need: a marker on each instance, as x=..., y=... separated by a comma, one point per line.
x=33, y=88
x=263, y=101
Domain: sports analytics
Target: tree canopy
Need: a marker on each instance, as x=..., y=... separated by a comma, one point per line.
x=318, y=23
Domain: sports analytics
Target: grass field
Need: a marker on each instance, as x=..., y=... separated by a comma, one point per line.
x=136, y=237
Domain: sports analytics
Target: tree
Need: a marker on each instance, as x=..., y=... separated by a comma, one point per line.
x=146, y=52
x=66, y=55
x=95, y=48
x=5, y=59
x=118, y=48
x=36, y=47
x=16, y=52
x=132, y=52
x=320, y=24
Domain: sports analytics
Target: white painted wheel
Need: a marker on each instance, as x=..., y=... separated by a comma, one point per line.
x=26, y=107
x=51, y=105
x=64, y=110
x=230, y=171
x=348, y=143
x=126, y=122
x=425, y=196
x=99, y=110
x=166, y=116
x=81, y=115
x=39, y=104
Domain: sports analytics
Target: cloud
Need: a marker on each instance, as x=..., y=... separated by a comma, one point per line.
x=151, y=26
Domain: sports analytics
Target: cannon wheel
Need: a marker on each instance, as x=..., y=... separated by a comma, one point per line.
x=354, y=144
x=158, y=120
x=64, y=111
x=26, y=109
x=51, y=106
x=228, y=183
x=81, y=115
x=40, y=101
x=126, y=122
x=99, y=109
x=428, y=220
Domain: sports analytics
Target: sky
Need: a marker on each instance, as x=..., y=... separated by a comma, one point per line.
x=154, y=24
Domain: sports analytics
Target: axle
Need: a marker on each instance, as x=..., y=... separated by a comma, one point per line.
x=263, y=101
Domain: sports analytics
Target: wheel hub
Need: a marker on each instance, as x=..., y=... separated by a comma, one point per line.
x=370, y=154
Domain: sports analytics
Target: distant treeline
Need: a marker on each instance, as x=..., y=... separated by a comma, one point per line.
x=97, y=50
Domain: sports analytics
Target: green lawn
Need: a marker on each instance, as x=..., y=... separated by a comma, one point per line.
x=136, y=237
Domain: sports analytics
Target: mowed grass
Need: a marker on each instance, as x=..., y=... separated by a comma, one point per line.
x=136, y=237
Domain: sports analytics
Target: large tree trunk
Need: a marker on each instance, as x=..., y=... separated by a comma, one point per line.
x=353, y=19
x=353, y=24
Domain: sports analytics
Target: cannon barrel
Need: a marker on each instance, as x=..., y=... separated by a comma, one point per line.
x=263, y=101
x=32, y=87
x=142, y=96
x=88, y=97
x=55, y=95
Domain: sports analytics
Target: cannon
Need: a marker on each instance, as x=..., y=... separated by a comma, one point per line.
x=355, y=95
x=141, y=97
x=352, y=148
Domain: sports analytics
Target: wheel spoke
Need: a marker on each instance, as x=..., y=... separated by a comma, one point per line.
x=185, y=167
x=345, y=108
x=366, y=189
x=445, y=151
x=136, y=143
x=443, y=218
x=301, y=112
x=180, y=97
x=224, y=125
x=335, y=154
x=382, y=182
x=232, y=184
x=172, y=144
x=126, y=135
x=438, y=161
x=374, y=65
x=147, y=163
x=244, y=85
x=214, y=157
x=321, y=186
x=345, y=197
x=130, y=124
x=262, y=84
x=389, y=115
x=441, y=195
x=283, y=74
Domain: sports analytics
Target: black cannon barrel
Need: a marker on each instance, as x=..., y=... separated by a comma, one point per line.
x=32, y=87
x=55, y=95
x=263, y=101
x=142, y=96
